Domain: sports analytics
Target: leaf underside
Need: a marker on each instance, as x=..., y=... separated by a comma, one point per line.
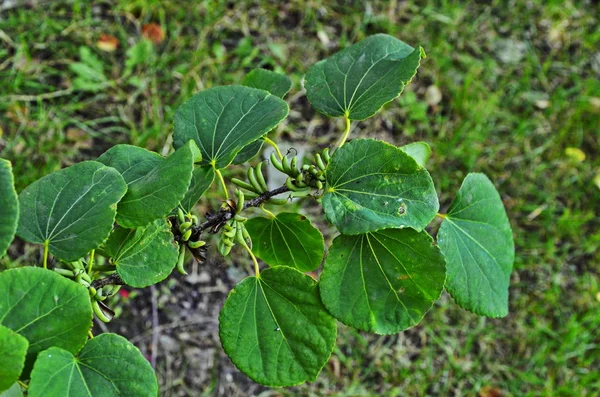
x=476, y=239
x=223, y=120
x=372, y=185
x=289, y=239
x=275, y=83
x=202, y=178
x=357, y=81
x=382, y=282
x=275, y=328
x=72, y=209
x=9, y=206
x=108, y=366
x=419, y=151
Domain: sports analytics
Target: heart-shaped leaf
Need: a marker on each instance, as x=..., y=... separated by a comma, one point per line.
x=477, y=241
x=154, y=194
x=133, y=162
x=47, y=309
x=275, y=83
x=419, y=151
x=107, y=366
x=373, y=185
x=143, y=256
x=9, y=206
x=248, y=152
x=13, y=349
x=223, y=120
x=289, y=239
x=202, y=178
x=357, y=81
x=382, y=282
x=275, y=328
x=71, y=210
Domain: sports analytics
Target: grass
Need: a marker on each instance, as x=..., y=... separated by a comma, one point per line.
x=519, y=85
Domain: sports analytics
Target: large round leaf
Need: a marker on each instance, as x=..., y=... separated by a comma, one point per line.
x=223, y=120
x=13, y=349
x=107, y=366
x=202, y=178
x=373, y=185
x=477, y=241
x=72, y=210
x=357, y=81
x=156, y=193
x=143, y=256
x=9, y=206
x=47, y=309
x=275, y=328
x=382, y=282
x=289, y=239
x=132, y=162
x=275, y=83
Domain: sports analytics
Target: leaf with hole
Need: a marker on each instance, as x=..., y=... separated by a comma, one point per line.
x=45, y=308
x=275, y=83
x=372, y=185
x=419, y=151
x=476, y=239
x=360, y=79
x=73, y=209
x=382, y=282
x=13, y=349
x=223, y=120
x=108, y=365
x=275, y=328
x=202, y=178
x=9, y=206
x=289, y=239
x=143, y=256
x=155, y=186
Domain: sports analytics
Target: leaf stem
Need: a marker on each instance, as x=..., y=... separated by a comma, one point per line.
x=222, y=181
x=256, y=268
x=90, y=335
x=91, y=264
x=346, y=132
x=443, y=216
x=272, y=215
x=45, y=262
x=270, y=142
x=23, y=385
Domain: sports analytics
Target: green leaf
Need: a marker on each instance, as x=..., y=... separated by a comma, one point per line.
x=156, y=193
x=223, y=120
x=13, y=349
x=477, y=241
x=45, y=308
x=9, y=206
x=143, y=256
x=382, y=282
x=13, y=391
x=275, y=83
x=360, y=79
x=107, y=366
x=419, y=151
x=289, y=239
x=140, y=53
x=373, y=185
x=73, y=209
x=275, y=328
x=202, y=178
x=132, y=162
x=248, y=152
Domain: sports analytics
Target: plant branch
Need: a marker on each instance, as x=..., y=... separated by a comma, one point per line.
x=225, y=214
x=113, y=279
